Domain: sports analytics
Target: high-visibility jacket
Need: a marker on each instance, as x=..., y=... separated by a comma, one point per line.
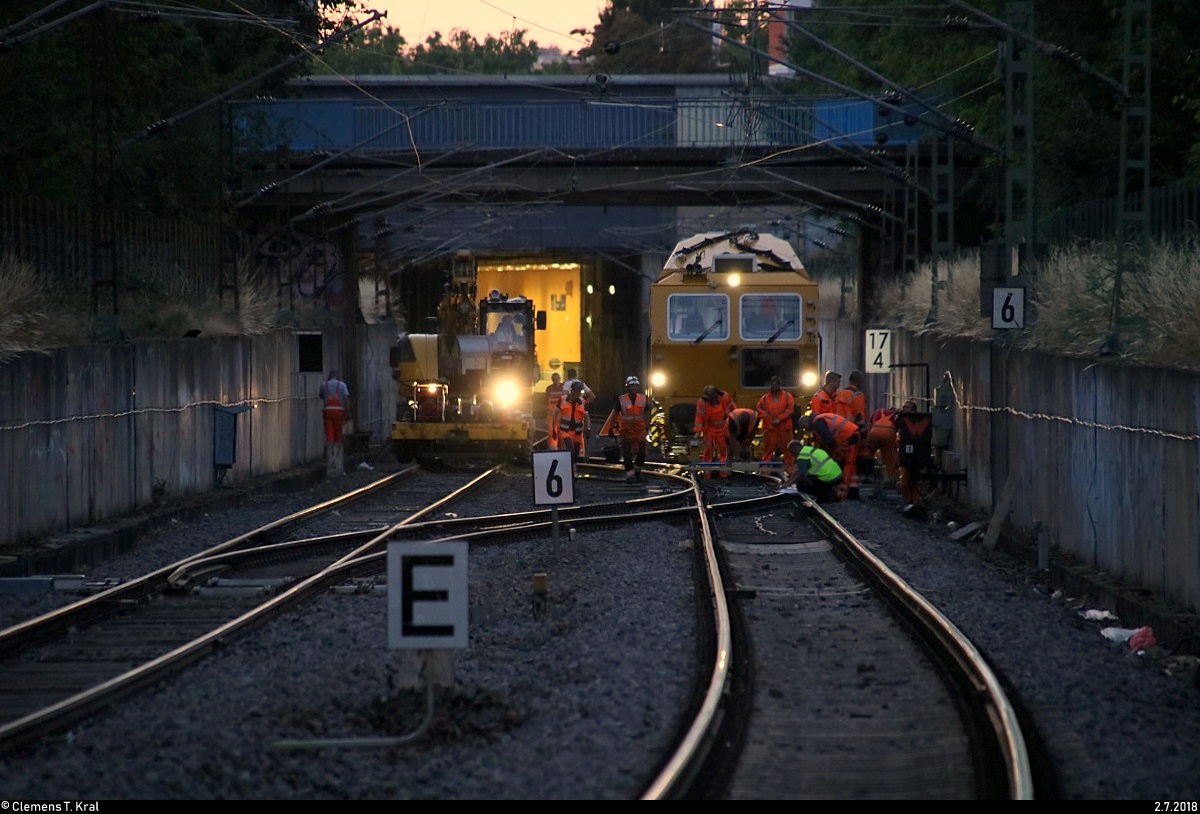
x=572, y=421
x=631, y=420
x=335, y=394
x=774, y=407
x=817, y=464
x=741, y=425
x=554, y=396
x=711, y=418
x=882, y=438
x=554, y=399
x=823, y=402
x=728, y=401
x=834, y=431
x=915, y=431
x=851, y=403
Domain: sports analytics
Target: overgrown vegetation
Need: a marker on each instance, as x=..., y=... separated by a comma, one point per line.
x=35, y=315
x=31, y=316
x=1070, y=303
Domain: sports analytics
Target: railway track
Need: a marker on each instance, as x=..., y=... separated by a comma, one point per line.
x=67, y=664
x=787, y=703
x=72, y=662
x=834, y=679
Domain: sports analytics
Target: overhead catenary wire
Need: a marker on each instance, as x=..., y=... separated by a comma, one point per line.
x=168, y=123
x=940, y=123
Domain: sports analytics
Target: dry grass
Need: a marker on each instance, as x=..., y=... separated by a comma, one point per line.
x=906, y=303
x=30, y=317
x=1069, y=303
x=154, y=304
x=165, y=304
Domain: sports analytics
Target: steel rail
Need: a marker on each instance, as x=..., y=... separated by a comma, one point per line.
x=106, y=602
x=78, y=706
x=189, y=573
x=686, y=760
x=994, y=713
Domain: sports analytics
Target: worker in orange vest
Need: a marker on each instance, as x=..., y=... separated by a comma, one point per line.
x=574, y=425
x=840, y=437
x=775, y=409
x=850, y=401
x=712, y=411
x=883, y=440
x=825, y=399
x=554, y=396
x=632, y=412
x=912, y=432
x=740, y=429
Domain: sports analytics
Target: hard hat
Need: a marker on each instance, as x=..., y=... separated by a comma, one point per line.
x=632, y=380
x=577, y=385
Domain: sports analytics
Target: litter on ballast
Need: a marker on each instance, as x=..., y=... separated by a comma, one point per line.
x=1142, y=639
x=1099, y=615
x=1118, y=634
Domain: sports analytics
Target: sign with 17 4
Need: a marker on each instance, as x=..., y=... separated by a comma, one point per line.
x=879, y=351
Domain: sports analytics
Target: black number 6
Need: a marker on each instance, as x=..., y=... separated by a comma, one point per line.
x=1008, y=313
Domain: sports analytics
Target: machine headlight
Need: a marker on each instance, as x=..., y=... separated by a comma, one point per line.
x=657, y=379
x=809, y=379
x=506, y=392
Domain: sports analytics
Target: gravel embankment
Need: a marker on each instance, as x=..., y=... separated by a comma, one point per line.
x=566, y=703
x=572, y=703
x=1118, y=725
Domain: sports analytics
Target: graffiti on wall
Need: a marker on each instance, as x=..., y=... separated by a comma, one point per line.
x=305, y=270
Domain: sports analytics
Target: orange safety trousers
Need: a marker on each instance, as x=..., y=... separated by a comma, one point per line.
x=711, y=420
x=778, y=438
x=335, y=423
x=908, y=489
x=882, y=440
x=714, y=441
x=849, y=454
x=846, y=441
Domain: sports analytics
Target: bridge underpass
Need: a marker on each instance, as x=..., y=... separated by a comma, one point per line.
x=395, y=174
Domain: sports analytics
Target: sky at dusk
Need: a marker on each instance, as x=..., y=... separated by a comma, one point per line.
x=548, y=22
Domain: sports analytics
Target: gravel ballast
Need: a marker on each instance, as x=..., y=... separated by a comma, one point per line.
x=576, y=701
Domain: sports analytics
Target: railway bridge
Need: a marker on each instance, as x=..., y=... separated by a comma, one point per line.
x=367, y=147
x=386, y=176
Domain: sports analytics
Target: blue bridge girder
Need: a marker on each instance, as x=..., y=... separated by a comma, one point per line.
x=369, y=143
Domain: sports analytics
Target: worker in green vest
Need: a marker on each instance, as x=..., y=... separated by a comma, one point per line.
x=816, y=473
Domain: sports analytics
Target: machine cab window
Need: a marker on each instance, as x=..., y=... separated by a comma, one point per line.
x=506, y=328
x=770, y=317
x=698, y=317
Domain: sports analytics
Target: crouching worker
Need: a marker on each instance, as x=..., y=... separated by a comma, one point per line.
x=740, y=428
x=816, y=473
